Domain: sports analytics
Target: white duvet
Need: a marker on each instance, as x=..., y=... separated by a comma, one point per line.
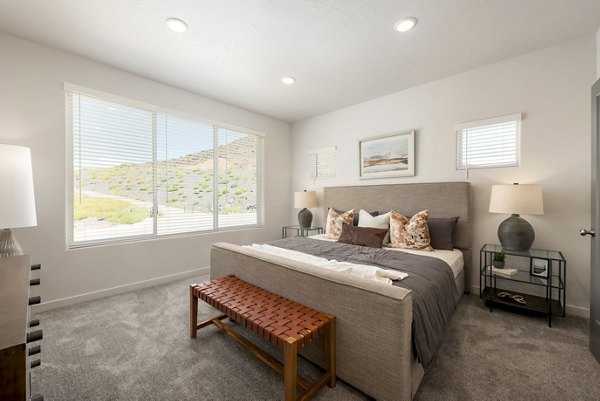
x=365, y=271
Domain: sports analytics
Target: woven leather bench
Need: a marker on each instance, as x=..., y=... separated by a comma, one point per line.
x=287, y=324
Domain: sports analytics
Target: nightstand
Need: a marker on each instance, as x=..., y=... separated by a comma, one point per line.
x=547, y=269
x=300, y=231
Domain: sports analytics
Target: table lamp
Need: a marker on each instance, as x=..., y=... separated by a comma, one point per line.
x=305, y=200
x=17, y=203
x=515, y=233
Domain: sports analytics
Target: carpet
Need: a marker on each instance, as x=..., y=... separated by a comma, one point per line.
x=136, y=346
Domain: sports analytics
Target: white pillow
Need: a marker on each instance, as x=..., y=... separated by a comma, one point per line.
x=383, y=221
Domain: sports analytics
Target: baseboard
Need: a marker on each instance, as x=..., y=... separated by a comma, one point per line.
x=571, y=310
x=574, y=310
x=90, y=296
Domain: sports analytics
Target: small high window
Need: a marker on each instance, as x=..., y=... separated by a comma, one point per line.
x=489, y=143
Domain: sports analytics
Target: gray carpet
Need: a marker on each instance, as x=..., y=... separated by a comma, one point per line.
x=136, y=347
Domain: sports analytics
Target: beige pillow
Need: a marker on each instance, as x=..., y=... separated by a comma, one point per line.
x=410, y=233
x=335, y=222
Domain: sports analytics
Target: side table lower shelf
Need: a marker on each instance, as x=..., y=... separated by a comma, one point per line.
x=534, y=303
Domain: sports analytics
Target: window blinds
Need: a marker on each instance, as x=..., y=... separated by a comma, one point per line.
x=184, y=175
x=323, y=163
x=139, y=173
x=489, y=143
x=112, y=169
x=239, y=166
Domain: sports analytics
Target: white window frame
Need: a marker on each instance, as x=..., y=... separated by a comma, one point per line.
x=260, y=190
x=516, y=117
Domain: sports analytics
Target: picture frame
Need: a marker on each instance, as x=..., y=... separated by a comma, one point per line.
x=385, y=156
x=539, y=267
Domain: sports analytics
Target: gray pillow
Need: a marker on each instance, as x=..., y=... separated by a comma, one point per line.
x=441, y=232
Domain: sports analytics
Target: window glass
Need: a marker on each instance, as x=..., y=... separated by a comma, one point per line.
x=139, y=173
x=489, y=143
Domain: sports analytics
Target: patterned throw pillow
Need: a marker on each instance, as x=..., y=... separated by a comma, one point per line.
x=335, y=222
x=410, y=233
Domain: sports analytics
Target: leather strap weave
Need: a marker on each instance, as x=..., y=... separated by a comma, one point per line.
x=268, y=315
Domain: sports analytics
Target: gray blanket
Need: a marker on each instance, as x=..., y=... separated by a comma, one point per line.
x=430, y=280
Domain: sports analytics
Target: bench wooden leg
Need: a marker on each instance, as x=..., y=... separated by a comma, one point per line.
x=330, y=351
x=290, y=360
x=193, y=313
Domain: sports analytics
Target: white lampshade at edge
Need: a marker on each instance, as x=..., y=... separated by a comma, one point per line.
x=17, y=201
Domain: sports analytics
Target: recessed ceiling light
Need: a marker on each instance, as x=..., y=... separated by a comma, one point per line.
x=288, y=80
x=405, y=24
x=176, y=25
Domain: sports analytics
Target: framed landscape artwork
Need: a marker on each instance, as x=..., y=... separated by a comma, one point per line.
x=386, y=156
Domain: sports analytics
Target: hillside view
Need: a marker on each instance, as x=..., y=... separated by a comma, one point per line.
x=124, y=194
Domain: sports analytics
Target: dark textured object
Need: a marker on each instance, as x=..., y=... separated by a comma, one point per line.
x=305, y=218
x=441, y=232
x=363, y=236
x=516, y=234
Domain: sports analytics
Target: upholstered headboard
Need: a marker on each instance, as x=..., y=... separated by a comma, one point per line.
x=442, y=199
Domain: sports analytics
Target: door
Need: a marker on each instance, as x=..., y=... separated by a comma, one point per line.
x=595, y=244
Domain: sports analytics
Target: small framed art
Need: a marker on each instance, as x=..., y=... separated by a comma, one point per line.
x=539, y=267
x=386, y=156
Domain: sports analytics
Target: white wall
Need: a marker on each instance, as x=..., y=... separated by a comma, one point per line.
x=33, y=114
x=551, y=87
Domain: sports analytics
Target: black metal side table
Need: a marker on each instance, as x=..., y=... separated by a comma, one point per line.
x=547, y=269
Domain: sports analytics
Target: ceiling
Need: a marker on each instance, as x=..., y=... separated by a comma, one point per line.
x=342, y=52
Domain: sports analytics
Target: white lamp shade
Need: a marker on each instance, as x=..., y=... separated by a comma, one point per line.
x=17, y=202
x=517, y=199
x=305, y=199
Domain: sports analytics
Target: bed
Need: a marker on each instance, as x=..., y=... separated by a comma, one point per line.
x=375, y=348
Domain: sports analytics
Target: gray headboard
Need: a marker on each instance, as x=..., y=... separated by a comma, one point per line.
x=442, y=199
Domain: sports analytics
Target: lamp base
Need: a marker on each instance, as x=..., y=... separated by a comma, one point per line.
x=516, y=234
x=9, y=245
x=305, y=218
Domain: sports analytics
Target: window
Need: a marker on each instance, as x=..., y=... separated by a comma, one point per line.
x=138, y=172
x=322, y=163
x=489, y=143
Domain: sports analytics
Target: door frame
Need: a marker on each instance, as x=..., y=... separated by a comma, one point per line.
x=595, y=225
